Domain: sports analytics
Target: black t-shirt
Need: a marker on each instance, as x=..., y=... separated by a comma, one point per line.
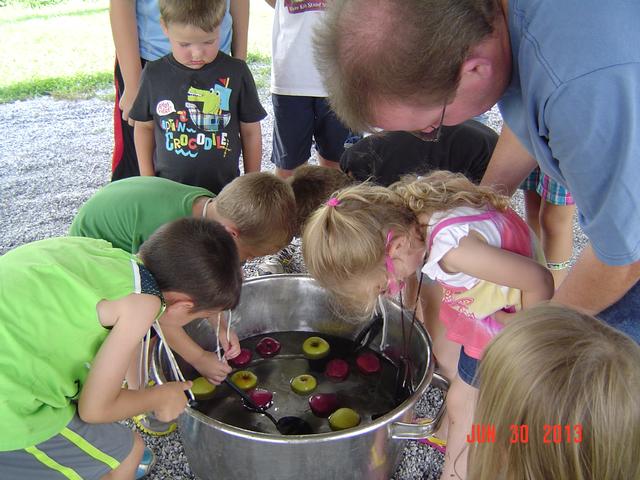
x=197, y=115
x=385, y=157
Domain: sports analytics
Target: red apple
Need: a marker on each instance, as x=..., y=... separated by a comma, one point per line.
x=242, y=360
x=368, y=363
x=337, y=370
x=323, y=404
x=261, y=397
x=268, y=347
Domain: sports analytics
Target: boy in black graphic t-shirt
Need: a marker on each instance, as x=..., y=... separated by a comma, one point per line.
x=197, y=108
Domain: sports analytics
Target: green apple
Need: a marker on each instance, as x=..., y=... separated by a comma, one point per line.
x=244, y=379
x=303, y=384
x=202, y=388
x=315, y=348
x=344, y=418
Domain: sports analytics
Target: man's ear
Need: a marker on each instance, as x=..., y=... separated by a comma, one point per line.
x=476, y=66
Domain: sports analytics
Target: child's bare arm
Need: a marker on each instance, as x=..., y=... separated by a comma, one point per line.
x=102, y=398
x=145, y=145
x=239, y=10
x=251, y=138
x=477, y=258
x=204, y=361
x=122, y=14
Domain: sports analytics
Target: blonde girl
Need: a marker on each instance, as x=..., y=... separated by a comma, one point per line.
x=561, y=390
x=368, y=240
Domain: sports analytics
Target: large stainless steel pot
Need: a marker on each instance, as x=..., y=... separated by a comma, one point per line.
x=279, y=303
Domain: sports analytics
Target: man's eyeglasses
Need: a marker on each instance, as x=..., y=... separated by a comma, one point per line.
x=434, y=134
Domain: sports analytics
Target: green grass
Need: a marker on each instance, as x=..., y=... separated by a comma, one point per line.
x=66, y=50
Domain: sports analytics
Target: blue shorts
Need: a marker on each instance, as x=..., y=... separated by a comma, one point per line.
x=467, y=367
x=298, y=121
x=548, y=189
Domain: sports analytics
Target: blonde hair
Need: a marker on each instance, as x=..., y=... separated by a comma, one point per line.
x=312, y=186
x=554, y=366
x=206, y=15
x=346, y=243
x=441, y=190
x=262, y=207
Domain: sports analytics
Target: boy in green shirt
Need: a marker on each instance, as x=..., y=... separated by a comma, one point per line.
x=257, y=209
x=72, y=313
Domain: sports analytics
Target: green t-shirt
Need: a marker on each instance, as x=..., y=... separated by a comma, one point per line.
x=128, y=211
x=50, y=331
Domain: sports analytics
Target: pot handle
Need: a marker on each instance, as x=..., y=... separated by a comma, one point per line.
x=417, y=431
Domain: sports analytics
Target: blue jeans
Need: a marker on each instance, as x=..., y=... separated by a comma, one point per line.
x=624, y=315
x=467, y=368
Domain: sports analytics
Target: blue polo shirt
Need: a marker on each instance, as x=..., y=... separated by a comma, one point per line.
x=574, y=102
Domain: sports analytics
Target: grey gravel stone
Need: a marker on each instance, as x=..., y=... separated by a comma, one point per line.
x=56, y=154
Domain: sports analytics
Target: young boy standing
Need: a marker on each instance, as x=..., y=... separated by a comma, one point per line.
x=300, y=108
x=72, y=313
x=197, y=108
x=138, y=39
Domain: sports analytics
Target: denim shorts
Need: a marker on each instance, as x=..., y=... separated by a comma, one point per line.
x=298, y=121
x=548, y=189
x=467, y=367
x=624, y=315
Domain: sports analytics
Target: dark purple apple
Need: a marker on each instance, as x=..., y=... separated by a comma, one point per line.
x=261, y=397
x=368, y=363
x=323, y=404
x=337, y=370
x=268, y=347
x=242, y=360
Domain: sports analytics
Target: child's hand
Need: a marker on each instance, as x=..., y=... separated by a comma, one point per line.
x=231, y=345
x=173, y=400
x=211, y=368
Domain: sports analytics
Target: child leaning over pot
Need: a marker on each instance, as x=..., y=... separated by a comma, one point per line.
x=72, y=313
x=368, y=240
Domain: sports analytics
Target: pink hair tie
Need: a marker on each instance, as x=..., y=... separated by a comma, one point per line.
x=333, y=202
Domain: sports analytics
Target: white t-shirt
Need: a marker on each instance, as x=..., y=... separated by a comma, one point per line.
x=449, y=238
x=293, y=71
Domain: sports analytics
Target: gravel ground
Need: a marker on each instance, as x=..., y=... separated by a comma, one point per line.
x=48, y=168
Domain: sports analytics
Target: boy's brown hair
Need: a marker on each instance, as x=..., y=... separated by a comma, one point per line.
x=262, y=207
x=196, y=257
x=312, y=186
x=206, y=15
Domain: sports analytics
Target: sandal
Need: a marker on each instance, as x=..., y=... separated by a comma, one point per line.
x=152, y=426
x=146, y=464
